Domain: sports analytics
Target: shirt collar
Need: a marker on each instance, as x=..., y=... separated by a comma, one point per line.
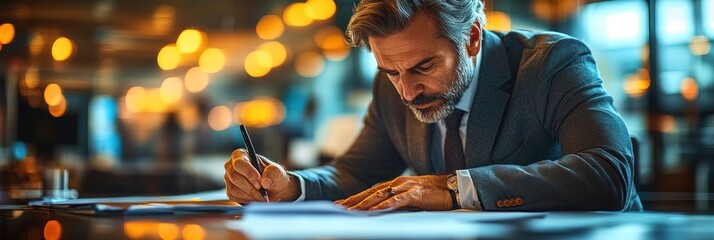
x=468, y=98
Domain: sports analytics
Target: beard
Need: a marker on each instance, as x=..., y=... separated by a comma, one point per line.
x=461, y=80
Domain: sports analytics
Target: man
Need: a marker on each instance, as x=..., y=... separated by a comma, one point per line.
x=487, y=121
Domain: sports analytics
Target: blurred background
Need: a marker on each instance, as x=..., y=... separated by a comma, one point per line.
x=145, y=97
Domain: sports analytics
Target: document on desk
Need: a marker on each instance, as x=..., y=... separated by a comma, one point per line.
x=202, y=202
x=322, y=219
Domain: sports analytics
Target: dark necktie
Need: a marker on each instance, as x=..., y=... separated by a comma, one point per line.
x=453, y=149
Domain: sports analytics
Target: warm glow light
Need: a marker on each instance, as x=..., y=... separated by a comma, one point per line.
x=196, y=80
x=333, y=43
x=296, y=15
x=554, y=9
x=321, y=9
x=53, y=94
x=169, y=57
x=636, y=85
x=212, y=60
x=154, y=101
x=134, y=230
x=32, y=77
x=188, y=117
x=62, y=49
x=163, y=19
x=37, y=42
x=168, y=231
x=7, y=33
x=53, y=230
x=700, y=45
x=309, y=64
x=260, y=112
x=219, y=118
x=59, y=109
x=136, y=99
x=193, y=232
x=258, y=63
x=269, y=27
x=172, y=90
x=189, y=40
x=498, y=21
x=278, y=52
x=690, y=89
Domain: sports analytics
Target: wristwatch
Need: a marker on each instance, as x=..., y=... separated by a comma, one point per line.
x=452, y=184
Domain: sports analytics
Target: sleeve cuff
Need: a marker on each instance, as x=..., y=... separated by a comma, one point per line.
x=302, y=187
x=468, y=196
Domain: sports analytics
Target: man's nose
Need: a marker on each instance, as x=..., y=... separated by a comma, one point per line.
x=411, y=89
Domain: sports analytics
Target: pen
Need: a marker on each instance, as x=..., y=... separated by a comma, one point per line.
x=253, y=158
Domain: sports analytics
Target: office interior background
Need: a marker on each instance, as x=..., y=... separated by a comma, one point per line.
x=145, y=97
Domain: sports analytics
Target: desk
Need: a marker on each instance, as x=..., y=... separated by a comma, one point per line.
x=27, y=223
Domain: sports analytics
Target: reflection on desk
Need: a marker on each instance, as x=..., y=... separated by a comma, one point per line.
x=31, y=223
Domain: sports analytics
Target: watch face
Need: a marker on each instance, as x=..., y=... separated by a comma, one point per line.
x=452, y=183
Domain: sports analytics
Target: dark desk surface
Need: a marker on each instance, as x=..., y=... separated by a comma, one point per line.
x=26, y=223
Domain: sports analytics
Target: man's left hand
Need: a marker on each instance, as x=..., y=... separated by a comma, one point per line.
x=423, y=192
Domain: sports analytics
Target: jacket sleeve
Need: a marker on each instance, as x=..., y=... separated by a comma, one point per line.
x=372, y=158
x=595, y=170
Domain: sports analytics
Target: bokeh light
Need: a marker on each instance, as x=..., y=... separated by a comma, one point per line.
x=134, y=230
x=321, y=9
x=700, y=46
x=269, y=27
x=188, y=117
x=309, y=64
x=168, y=231
x=258, y=63
x=53, y=94
x=62, y=49
x=260, y=112
x=278, y=52
x=189, y=41
x=498, y=21
x=296, y=15
x=136, y=99
x=193, y=232
x=332, y=42
x=636, y=85
x=155, y=102
x=690, y=89
x=59, y=109
x=37, y=42
x=171, y=90
x=219, y=118
x=32, y=77
x=212, y=60
x=53, y=230
x=7, y=33
x=169, y=57
x=196, y=80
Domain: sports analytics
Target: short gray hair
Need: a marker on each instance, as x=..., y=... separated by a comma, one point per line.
x=380, y=18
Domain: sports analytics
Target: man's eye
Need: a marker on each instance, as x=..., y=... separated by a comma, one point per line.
x=423, y=68
x=394, y=73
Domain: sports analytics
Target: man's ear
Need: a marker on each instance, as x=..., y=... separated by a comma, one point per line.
x=474, y=44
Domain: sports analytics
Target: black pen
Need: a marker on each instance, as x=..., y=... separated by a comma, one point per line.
x=253, y=158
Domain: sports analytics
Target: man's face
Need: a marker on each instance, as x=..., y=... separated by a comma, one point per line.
x=426, y=69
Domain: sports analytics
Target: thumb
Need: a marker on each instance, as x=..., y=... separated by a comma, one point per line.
x=274, y=177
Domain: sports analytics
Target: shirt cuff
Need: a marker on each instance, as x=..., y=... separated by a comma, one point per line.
x=468, y=196
x=302, y=187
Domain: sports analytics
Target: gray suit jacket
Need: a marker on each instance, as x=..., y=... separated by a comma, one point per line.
x=545, y=133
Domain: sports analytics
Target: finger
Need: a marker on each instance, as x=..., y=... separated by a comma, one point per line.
x=354, y=199
x=239, y=181
x=238, y=195
x=264, y=162
x=274, y=177
x=372, y=200
x=399, y=200
x=339, y=202
x=240, y=162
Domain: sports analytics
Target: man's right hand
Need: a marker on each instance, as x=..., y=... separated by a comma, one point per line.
x=243, y=181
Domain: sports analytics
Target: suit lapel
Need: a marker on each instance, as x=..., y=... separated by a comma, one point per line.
x=489, y=103
x=418, y=143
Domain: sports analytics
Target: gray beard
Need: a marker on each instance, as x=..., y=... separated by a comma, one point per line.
x=464, y=76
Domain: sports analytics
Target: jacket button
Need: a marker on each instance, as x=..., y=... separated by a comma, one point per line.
x=506, y=203
x=499, y=204
x=519, y=201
